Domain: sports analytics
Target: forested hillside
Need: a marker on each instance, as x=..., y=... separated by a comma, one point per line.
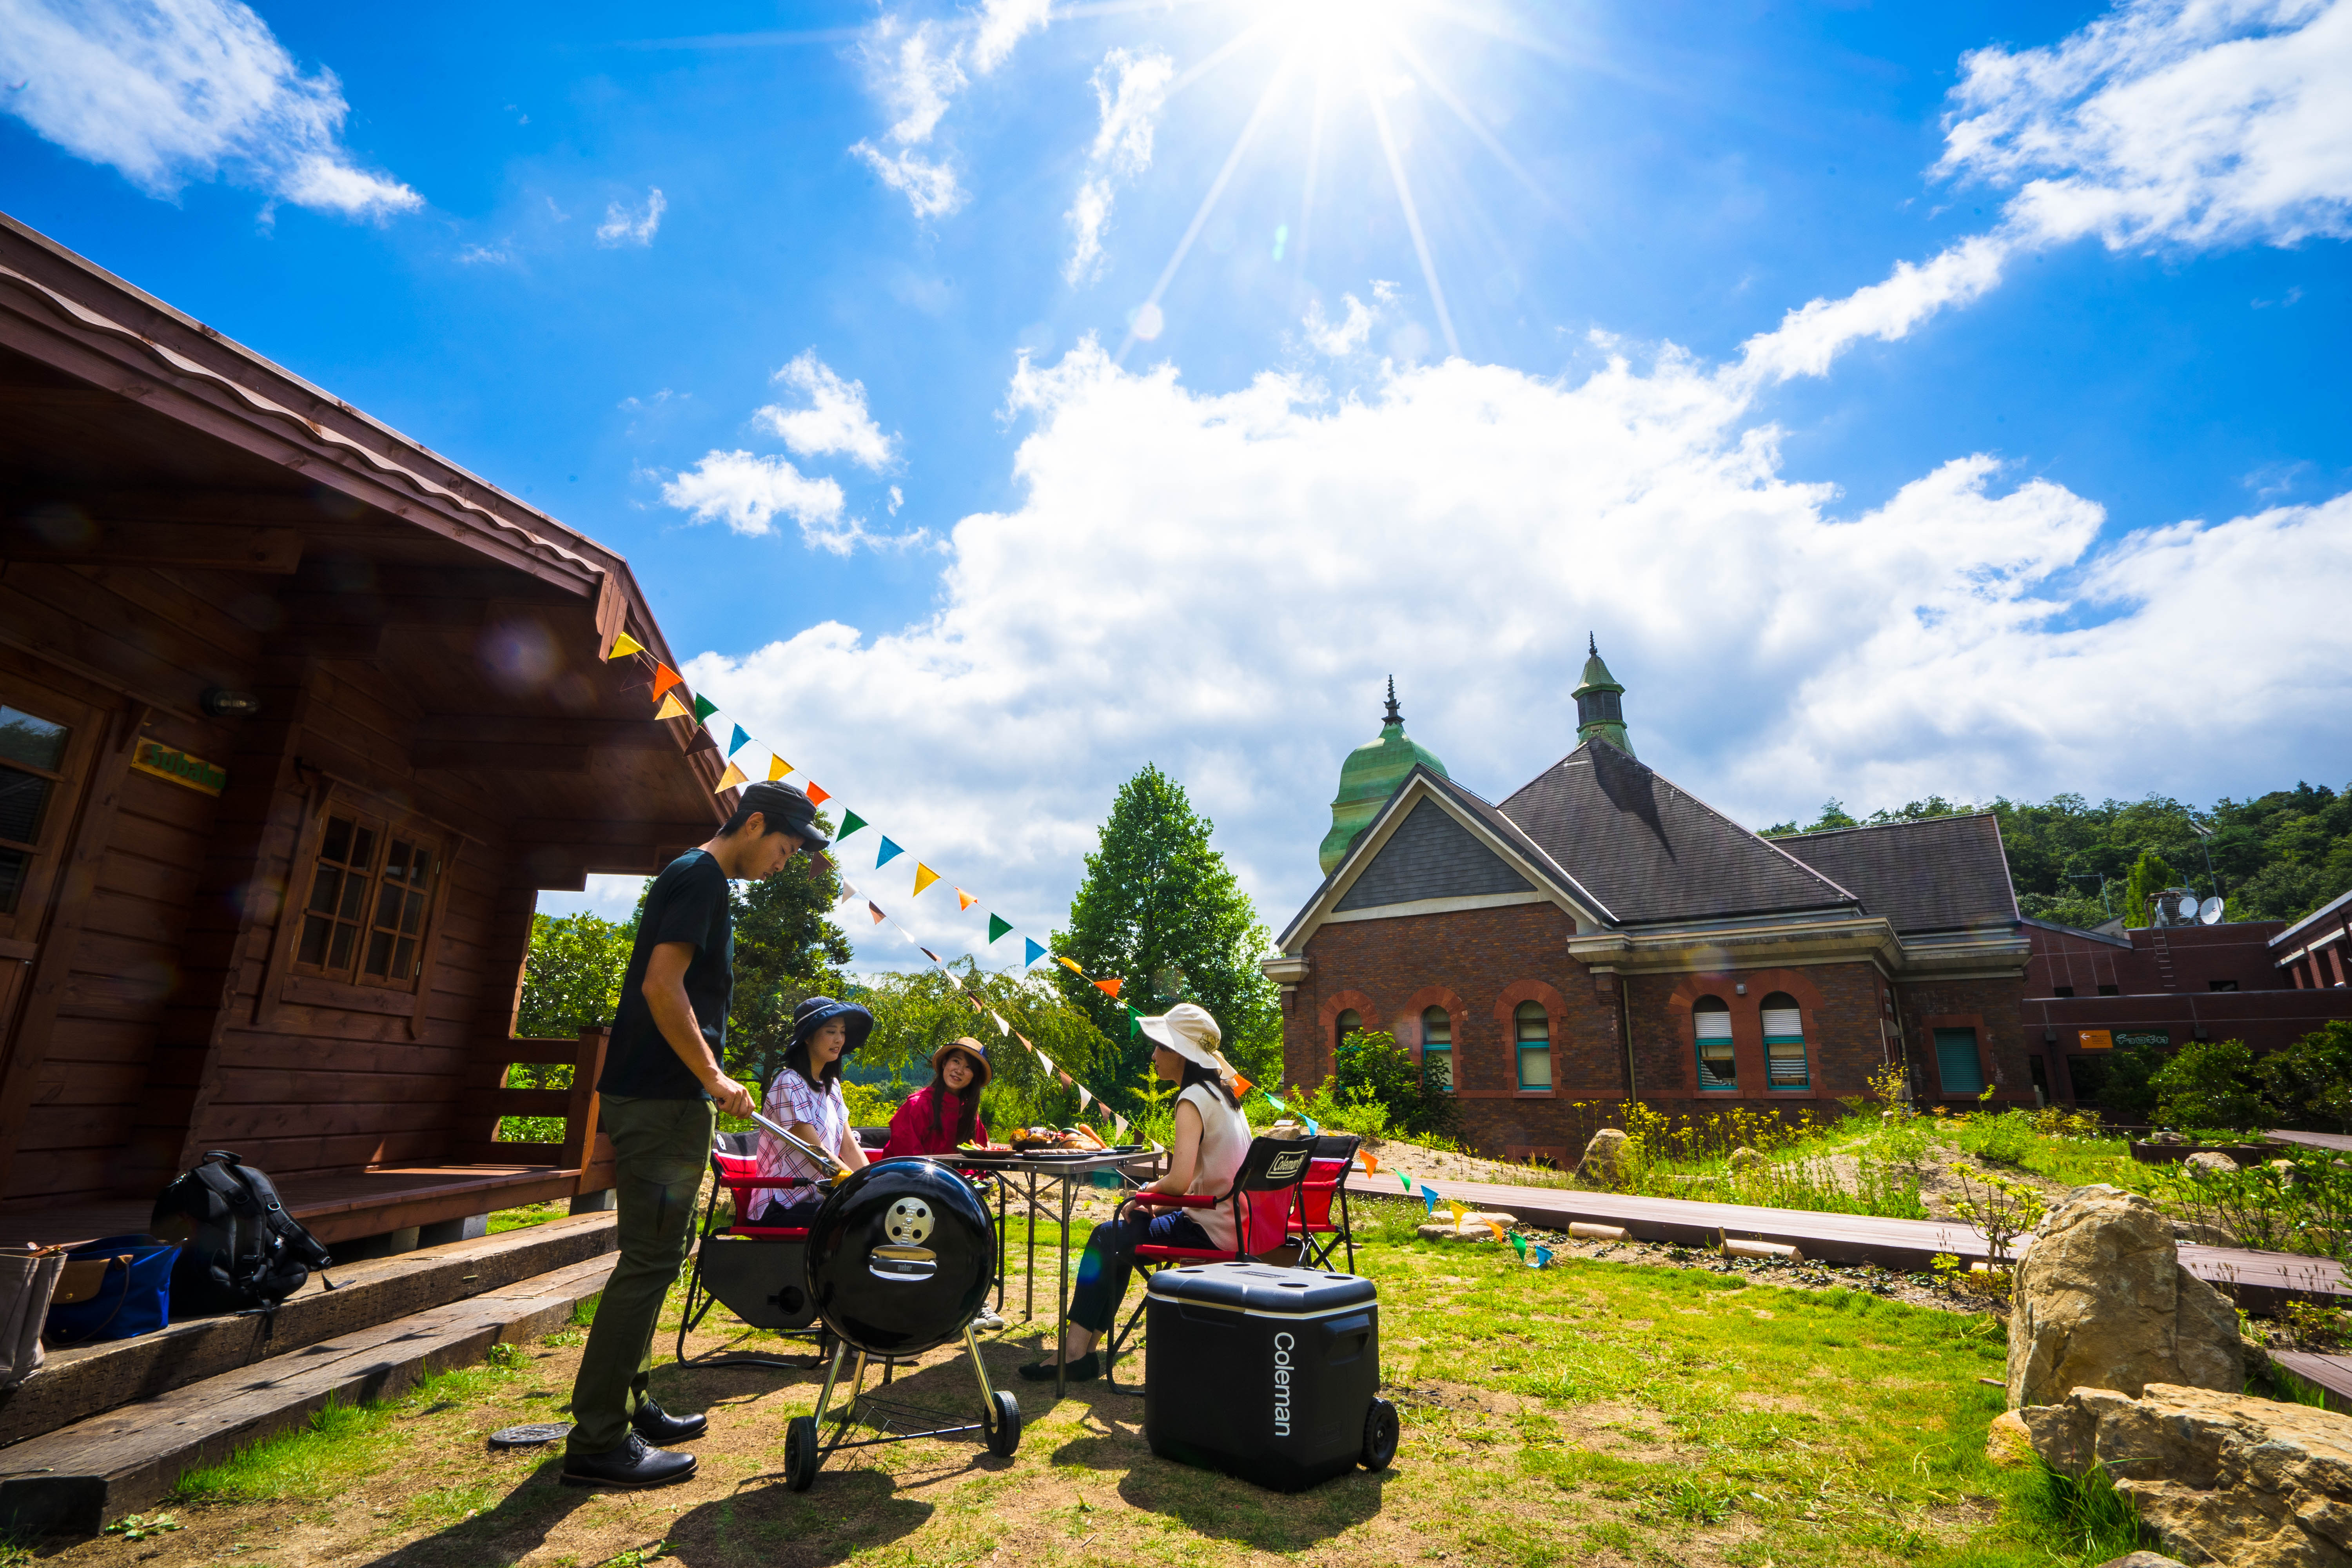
x=2277, y=856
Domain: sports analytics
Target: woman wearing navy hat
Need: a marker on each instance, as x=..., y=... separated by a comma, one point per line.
x=805, y=1097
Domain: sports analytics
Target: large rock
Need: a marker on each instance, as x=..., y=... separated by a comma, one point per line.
x=1745, y=1159
x=1604, y=1158
x=2102, y=1301
x=2217, y=1477
x=2207, y=1159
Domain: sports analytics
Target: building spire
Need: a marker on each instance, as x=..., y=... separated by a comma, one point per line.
x=1600, y=702
x=1393, y=716
x=1371, y=773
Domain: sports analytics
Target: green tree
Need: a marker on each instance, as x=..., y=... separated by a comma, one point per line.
x=1371, y=1065
x=1160, y=910
x=572, y=979
x=2149, y=876
x=787, y=950
x=2209, y=1083
x=916, y=1013
x=2309, y=1084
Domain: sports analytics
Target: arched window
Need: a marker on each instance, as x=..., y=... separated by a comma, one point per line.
x=1531, y=1026
x=1784, y=1043
x=1438, y=1050
x=1346, y=1023
x=1711, y=1022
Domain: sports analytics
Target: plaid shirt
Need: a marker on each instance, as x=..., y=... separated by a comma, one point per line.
x=792, y=1100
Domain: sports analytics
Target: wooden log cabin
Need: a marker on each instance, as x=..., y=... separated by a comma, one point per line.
x=296, y=717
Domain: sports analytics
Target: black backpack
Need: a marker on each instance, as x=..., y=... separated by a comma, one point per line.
x=240, y=1251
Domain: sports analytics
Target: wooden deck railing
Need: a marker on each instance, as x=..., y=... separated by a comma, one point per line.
x=583, y=1148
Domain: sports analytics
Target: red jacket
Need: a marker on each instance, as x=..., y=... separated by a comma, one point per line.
x=910, y=1129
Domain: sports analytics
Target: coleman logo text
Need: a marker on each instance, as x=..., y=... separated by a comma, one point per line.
x=1283, y=1345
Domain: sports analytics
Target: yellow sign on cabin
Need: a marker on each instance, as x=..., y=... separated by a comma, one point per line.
x=191, y=773
x=2097, y=1039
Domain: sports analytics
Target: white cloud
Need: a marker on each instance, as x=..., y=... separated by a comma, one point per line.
x=620, y=228
x=1352, y=332
x=836, y=420
x=1131, y=90
x=746, y=492
x=931, y=189
x=2168, y=124
x=484, y=255
x=1218, y=584
x=917, y=71
x=1004, y=24
x=173, y=91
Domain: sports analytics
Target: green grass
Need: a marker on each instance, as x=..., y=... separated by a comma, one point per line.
x=503, y=1220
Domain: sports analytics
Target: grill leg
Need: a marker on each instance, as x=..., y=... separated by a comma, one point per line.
x=832, y=1376
x=979, y=1367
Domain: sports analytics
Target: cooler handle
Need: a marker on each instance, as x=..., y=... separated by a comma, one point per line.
x=1344, y=1339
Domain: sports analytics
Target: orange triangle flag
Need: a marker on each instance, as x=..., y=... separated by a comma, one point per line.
x=671, y=707
x=730, y=779
x=623, y=646
x=665, y=677
x=924, y=878
x=1108, y=987
x=817, y=796
x=964, y=900
x=1241, y=1084
x=777, y=766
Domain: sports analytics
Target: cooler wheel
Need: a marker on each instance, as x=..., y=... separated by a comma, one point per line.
x=1379, y=1435
x=1003, y=1418
x=800, y=1453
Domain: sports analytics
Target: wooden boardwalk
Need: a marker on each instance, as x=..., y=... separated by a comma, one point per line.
x=2335, y=1142
x=2256, y=1280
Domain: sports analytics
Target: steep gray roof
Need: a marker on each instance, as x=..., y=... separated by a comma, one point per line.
x=1653, y=853
x=1943, y=874
x=1431, y=856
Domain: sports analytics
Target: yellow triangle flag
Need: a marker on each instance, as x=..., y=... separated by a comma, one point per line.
x=623, y=646
x=777, y=766
x=671, y=707
x=1068, y=964
x=1456, y=1210
x=730, y=778
x=964, y=900
x=924, y=878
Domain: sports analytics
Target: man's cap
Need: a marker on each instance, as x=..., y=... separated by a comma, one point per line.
x=783, y=807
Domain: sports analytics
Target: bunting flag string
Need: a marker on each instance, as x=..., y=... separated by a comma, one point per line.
x=664, y=679
x=740, y=739
x=997, y=926
x=730, y=779
x=777, y=767
x=671, y=707
x=850, y=823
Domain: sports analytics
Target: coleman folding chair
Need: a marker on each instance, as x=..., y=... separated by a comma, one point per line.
x=1327, y=1160
x=1261, y=1198
x=755, y=1271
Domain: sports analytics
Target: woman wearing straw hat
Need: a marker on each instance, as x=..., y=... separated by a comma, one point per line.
x=1211, y=1137
x=944, y=1114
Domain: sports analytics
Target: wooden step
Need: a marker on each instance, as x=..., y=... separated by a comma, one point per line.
x=78, y=1478
x=76, y=1383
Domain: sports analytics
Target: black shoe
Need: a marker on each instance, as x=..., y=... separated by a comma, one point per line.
x=633, y=1464
x=1086, y=1369
x=659, y=1427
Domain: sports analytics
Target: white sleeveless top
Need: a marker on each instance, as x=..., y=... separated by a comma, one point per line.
x=1224, y=1142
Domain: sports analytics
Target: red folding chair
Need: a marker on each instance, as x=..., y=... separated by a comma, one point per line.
x=756, y=1271
x=1262, y=1199
x=1327, y=1160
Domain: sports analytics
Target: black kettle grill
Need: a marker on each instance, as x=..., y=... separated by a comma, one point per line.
x=900, y=1257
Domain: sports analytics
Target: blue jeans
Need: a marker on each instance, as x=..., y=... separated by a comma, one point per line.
x=1109, y=1259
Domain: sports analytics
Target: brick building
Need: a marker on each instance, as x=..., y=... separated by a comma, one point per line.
x=1601, y=935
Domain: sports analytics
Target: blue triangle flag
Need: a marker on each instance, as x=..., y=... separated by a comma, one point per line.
x=1429, y=1197
x=1539, y=1255
x=889, y=852
x=1035, y=953
x=741, y=737
x=1312, y=1130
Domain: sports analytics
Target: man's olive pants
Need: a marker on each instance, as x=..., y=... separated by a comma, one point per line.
x=661, y=1147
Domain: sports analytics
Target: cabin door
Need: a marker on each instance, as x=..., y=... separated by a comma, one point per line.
x=46, y=741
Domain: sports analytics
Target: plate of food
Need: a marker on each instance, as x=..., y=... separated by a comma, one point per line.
x=1057, y=1142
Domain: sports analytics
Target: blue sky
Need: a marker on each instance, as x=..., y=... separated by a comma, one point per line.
x=1911, y=399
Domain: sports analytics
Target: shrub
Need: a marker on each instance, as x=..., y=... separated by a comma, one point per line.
x=2209, y=1083
x=2310, y=1082
x=1373, y=1068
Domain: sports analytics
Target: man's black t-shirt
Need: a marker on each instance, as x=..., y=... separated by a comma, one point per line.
x=687, y=902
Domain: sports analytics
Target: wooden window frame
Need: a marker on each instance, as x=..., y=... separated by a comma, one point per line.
x=1520, y=1047
x=1444, y=1049
x=52, y=841
x=1698, y=1045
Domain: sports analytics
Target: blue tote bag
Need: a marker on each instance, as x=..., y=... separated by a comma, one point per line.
x=114, y=1288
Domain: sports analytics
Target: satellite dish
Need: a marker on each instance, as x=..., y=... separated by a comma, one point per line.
x=2185, y=909
x=2210, y=912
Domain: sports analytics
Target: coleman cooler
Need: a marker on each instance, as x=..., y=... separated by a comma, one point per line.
x=1271, y=1374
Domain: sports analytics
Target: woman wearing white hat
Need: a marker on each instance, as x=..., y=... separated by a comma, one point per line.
x=1211, y=1137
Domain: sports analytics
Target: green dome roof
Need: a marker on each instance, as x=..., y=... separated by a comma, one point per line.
x=1369, y=775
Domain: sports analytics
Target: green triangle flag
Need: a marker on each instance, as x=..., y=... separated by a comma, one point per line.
x=1518, y=1243
x=850, y=823
x=997, y=926
x=703, y=709
x=1134, y=1022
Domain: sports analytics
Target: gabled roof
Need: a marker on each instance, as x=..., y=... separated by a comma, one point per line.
x=1944, y=873
x=1652, y=852
x=2332, y=910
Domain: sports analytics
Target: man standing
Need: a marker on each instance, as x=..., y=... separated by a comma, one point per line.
x=662, y=1075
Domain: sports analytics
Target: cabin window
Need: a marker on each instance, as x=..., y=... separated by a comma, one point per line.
x=1346, y=1023
x=1531, y=1026
x=1438, y=1050
x=2061, y=991
x=32, y=778
x=371, y=891
x=1784, y=1043
x=1957, y=1062
x=1711, y=1023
